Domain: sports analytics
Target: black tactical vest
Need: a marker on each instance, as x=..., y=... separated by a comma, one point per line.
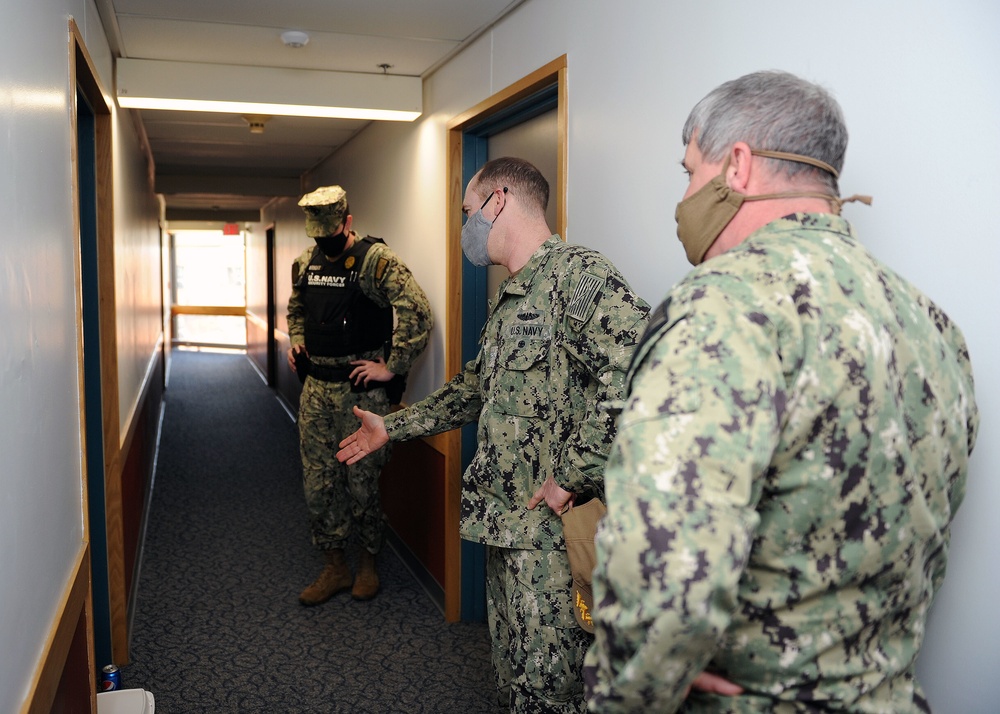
x=340, y=319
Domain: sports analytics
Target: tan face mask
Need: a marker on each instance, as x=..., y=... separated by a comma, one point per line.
x=702, y=215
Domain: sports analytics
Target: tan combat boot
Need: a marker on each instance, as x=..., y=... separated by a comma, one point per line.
x=335, y=578
x=366, y=584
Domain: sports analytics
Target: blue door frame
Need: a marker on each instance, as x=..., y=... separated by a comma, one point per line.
x=475, y=299
x=86, y=132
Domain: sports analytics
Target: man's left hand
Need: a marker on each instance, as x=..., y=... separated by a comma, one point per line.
x=555, y=497
x=366, y=371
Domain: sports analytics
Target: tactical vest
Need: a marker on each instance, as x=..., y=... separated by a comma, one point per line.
x=340, y=319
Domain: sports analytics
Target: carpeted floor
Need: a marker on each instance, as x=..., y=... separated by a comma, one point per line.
x=218, y=626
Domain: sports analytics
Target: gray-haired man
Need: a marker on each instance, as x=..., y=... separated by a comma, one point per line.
x=794, y=444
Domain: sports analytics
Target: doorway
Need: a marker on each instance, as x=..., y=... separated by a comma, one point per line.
x=93, y=411
x=208, y=301
x=527, y=119
x=97, y=333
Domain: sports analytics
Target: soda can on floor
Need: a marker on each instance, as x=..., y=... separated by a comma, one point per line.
x=111, y=678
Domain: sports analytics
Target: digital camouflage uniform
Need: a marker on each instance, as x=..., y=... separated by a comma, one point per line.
x=555, y=347
x=338, y=495
x=791, y=454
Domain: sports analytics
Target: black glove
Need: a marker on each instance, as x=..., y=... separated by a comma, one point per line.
x=395, y=387
x=302, y=364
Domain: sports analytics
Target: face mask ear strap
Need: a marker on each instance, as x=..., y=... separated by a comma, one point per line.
x=798, y=158
x=490, y=198
x=867, y=200
x=835, y=201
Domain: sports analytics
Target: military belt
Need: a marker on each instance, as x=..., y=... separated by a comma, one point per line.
x=341, y=374
x=329, y=374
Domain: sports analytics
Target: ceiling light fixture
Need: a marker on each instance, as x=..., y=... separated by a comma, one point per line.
x=192, y=86
x=294, y=38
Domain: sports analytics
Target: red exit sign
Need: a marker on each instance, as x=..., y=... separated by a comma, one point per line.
x=231, y=229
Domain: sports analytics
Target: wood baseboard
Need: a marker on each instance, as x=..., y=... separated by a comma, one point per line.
x=58, y=675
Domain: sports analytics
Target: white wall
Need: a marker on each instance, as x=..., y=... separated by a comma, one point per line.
x=41, y=518
x=393, y=196
x=137, y=273
x=918, y=84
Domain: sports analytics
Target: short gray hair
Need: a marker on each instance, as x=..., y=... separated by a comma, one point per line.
x=774, y=111
x=520, y=176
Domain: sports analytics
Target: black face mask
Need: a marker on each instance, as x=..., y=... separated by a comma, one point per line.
x=332, y=246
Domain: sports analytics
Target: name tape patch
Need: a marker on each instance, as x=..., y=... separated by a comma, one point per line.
x=533, y=331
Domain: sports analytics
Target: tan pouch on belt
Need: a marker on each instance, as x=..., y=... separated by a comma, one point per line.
x=579, y=529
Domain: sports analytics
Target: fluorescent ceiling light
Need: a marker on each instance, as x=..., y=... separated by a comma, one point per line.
x=191, y=86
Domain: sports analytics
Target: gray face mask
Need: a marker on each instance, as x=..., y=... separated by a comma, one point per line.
x=475, y=235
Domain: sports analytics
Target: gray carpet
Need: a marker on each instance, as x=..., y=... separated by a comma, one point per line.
x=218, y=626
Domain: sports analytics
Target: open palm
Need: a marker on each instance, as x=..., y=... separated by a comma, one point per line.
x=370, y=436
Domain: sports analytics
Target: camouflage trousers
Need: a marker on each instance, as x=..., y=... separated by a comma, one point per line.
x=538, y=648
x=340, y=497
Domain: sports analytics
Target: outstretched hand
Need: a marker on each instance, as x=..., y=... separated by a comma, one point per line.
x=370, y=437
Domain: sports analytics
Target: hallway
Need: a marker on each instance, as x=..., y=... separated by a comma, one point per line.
x=218, y=627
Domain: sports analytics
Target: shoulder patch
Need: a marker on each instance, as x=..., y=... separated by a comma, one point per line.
x=585, y=297
x=380, y=267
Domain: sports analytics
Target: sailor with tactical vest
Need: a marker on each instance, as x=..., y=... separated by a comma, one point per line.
x=345, y=291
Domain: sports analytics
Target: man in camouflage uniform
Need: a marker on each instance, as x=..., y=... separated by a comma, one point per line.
x=554, y=350
x=793, y=447
x=345, y=290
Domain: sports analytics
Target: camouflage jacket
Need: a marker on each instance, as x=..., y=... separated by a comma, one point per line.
x=553, y=352
x=792, y=451
x=386, y=280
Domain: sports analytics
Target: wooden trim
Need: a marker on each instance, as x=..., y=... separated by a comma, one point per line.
x=541, y=77
x=78, y=597
x=152, y=370
x=74, y=42
x=235, y=310
x=438, y=442
x=86, y=77
x=562, y=114
x=152, y=367
x=450, y=443
x=253, y=317
x=76, y=601
x=141, y=416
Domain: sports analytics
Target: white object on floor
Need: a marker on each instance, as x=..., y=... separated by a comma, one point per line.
x=125, y=701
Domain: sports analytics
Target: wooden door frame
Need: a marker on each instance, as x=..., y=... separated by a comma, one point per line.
x=86, y=79
x=451, y=444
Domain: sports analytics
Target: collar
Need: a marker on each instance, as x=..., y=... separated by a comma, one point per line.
x=829, y=222
x=520, y=284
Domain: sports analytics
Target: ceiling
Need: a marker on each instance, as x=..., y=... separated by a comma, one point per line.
x=209, y=166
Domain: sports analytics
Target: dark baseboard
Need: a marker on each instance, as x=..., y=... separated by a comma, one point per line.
x=430, y=586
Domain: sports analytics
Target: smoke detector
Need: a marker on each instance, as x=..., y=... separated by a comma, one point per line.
x=294, y=38
x=256, y=122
